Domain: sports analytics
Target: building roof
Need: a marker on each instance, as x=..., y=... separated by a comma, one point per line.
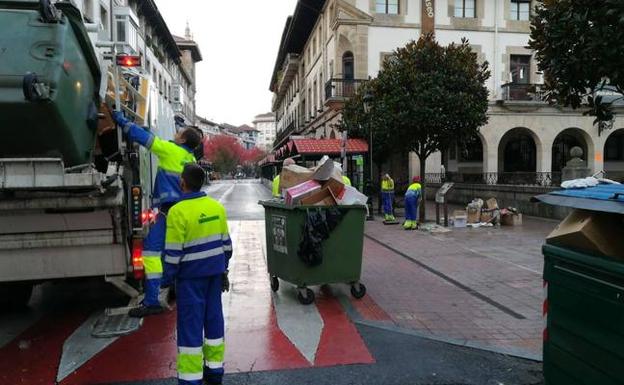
x=243, y=128
x=151, y=12
x=187, y=44
x=206, y=121
x=296, y=32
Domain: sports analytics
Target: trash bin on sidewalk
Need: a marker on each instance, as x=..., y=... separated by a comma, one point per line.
x=584, y=285
x=341, y=252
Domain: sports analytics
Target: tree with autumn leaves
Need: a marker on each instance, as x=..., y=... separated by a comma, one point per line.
x=226, y=153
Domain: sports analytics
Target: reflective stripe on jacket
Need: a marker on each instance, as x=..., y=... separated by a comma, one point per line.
x=171, y=160
x=198, y=243
x=387, y=185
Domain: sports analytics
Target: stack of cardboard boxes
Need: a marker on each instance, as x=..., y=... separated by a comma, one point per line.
x=320, y=186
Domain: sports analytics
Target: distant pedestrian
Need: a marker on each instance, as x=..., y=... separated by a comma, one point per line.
x=197, y=253
x=387, y=197
x=412, y=199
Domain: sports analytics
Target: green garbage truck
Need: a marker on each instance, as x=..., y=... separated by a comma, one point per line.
x=73, y=197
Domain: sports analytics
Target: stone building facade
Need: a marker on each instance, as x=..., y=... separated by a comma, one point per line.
x=329, y=47
x=265, y=125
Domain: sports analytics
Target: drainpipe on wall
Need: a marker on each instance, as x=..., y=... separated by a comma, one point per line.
x=495, y=64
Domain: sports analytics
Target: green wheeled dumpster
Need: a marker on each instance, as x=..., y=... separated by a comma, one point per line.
x=49, y=82
x=341, y=252
x=584, y=282
x=584, y=336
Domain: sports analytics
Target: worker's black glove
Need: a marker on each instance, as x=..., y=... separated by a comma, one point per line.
x=225, y=282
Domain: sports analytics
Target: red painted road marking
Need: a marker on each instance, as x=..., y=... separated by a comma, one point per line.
x=369, y=310
x=36, y=362
x=148, y=354
x=341, y=344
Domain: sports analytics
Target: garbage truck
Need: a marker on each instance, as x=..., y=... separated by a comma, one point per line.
x=73, y=193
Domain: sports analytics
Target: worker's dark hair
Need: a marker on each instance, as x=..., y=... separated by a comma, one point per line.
x=192, y=138
x=194, y=177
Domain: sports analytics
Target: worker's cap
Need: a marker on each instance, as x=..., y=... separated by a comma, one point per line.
x=416, y=179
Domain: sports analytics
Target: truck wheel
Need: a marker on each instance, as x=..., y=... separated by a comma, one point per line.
x=15, y=295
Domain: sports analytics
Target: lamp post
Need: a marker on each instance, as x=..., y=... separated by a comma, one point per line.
x=368, y=104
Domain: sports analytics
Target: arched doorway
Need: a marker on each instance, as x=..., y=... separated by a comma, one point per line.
x=571, y=137
x=614, y=155
x=517, y=151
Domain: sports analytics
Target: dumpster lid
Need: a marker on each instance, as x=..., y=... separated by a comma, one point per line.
x=604, y=197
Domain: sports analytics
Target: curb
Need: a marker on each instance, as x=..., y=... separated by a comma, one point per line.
x=357, y=319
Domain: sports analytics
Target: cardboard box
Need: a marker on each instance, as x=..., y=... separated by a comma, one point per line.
x=294, y=194
x=325, y=197
x=351, y=196
x=474, y=216
x=511, y=219
x=336, y=186
x=591, y=232
x=294, y=175
x=491, y=204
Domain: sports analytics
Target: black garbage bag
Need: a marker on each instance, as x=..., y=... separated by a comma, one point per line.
x=318, y=226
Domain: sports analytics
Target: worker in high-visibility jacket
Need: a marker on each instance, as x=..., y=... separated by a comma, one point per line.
x=276, y=191
x=346, y=181
x=172, y=156
x=412, y=198
x=387, y=197
x=197, y=254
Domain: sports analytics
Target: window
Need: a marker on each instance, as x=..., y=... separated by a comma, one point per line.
x=390, y=7
x=88, y=11
x=520, y=9
x=465, y=8
x=614, y=149
x=520, y=65
x=121, y=30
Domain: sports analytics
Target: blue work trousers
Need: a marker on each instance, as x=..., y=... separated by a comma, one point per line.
x=387, y=198
x=411, y=207
x=200, y=330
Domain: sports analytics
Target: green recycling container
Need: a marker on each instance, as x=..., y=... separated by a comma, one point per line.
x=584, y=339
x=49, y=82
x=342, y=251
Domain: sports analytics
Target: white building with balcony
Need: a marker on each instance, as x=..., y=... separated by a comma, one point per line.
x=329, y=46
x=265, y=125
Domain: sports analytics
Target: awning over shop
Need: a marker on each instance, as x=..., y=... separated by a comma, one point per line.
x=316, y=148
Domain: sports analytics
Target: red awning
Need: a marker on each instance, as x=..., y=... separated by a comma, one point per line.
x=329, y=146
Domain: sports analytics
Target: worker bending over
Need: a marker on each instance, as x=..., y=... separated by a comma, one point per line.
x=277, y=192
x=172, y=156
x=387, y=197
x=412, y=198
x=197, y=254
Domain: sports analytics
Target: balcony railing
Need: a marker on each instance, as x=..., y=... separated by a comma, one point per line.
x=341, y=88
x=500, y=178
x=523, y=92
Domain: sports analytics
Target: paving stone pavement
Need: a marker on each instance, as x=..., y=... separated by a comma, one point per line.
x=479, y=287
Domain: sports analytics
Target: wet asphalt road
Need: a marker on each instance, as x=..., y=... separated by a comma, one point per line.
x=240, y=198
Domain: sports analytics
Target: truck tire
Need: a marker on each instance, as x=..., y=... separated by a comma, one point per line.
x=15, y=295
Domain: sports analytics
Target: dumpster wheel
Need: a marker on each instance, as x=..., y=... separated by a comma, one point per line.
x=358, y=290
x=306, y=299
x=274, y=283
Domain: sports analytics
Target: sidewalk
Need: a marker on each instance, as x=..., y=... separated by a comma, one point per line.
x=476, y=287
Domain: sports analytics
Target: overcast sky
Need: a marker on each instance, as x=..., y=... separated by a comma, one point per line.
x=239, y=42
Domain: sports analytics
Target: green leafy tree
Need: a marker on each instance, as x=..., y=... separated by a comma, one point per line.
x=579, y=45
x=361, y=124
x=429, y=96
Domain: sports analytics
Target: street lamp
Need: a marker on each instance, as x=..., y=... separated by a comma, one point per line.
x=368, y=105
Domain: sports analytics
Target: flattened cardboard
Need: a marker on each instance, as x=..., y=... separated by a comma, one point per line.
x=592, y=232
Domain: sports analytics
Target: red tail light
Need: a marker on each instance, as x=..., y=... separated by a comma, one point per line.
x=137, y=259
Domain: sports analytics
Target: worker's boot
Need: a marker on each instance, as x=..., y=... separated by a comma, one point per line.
x=144, y=311
x=414, y=225
x=407, y=225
